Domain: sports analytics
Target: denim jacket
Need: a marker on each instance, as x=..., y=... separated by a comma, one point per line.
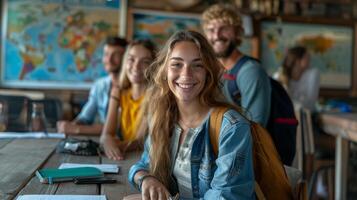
x=230, y=175
x=97, y=103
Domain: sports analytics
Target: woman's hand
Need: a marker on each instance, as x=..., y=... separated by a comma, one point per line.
x=68, y=128
x=153, y=189
x=112, y=148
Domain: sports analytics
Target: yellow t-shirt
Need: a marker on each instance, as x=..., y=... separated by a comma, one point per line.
x=130, y=115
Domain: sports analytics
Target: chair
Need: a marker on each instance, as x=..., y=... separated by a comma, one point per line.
x=52, y=109
x=17, y=112
x=308, y=159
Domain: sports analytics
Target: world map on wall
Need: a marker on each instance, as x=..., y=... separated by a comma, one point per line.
x=57, y=41
x=330, y=48
x=159, y=26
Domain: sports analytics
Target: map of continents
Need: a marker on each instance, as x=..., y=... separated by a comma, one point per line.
x=159, y=26
x=330, y=47
x=57, y=41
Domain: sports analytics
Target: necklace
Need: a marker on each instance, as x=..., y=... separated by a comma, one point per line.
x=192, y=123
x=184, y=125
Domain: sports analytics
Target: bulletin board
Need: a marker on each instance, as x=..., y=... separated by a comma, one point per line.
x=55, y=44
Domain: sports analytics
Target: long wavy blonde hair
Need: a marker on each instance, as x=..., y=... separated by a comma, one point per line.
x=161, y=106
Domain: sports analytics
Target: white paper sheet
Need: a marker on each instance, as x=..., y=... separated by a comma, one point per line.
x=61, y=197
x=105, y=168
x=10, y=135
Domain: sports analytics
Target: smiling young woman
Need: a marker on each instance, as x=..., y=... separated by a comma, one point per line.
x=183, y=91
x=127, y=97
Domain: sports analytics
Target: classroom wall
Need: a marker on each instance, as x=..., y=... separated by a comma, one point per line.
x=137, y=11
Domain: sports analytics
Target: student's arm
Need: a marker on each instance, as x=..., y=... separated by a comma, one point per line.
x=151, y=188
x=83, y=124
x=134, y=145
x=141, y=165
x=254, y=86
x=234, y=176
x=72, y=128
x=111, y=144
x=138, y=143
x=89, y=110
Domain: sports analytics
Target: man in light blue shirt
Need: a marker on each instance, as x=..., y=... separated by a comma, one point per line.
x=223, y=29
x=98, y=99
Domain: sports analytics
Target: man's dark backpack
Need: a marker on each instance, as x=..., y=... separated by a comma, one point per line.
x=282, y=122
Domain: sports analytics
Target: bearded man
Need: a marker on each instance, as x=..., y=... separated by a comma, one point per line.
x=222, y=26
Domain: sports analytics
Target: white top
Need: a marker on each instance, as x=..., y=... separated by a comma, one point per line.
x=305, y=91
x=182, y=165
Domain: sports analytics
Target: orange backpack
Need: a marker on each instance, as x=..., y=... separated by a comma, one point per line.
x=270, y=177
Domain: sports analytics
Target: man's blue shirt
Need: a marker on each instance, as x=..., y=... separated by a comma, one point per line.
x=97, y=103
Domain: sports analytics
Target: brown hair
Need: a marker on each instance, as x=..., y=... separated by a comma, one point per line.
x=294, y=55
x=116, y=41
x=161, y=106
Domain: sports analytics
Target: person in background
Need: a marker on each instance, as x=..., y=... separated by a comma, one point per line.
x=300, y=80
x=178, y=155
x=125, y=101
x=98, y=99
x=223, y=28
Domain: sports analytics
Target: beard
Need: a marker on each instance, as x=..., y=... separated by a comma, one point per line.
x=114, y=70
x=228, y=51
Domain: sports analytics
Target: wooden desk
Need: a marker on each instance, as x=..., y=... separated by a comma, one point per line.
x=19, y=159
x=344, y=127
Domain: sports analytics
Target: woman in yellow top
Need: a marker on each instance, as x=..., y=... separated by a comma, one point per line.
x=125, y=100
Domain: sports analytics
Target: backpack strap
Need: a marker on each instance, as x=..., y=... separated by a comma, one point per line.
x=232, y=74
x=214, y=129
x=258, y=192
x=215, y=122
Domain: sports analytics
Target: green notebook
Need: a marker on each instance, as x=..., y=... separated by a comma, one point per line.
x=53, y=175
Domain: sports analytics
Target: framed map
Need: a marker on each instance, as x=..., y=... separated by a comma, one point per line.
x=250, y=46
x=330, y=47
x=159, y=26
x=55, y=43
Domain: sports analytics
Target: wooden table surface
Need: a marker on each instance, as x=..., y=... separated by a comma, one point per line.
x=344, y=127
x=344, y=124
x=20, y=158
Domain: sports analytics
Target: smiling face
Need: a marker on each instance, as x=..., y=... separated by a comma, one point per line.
x=222, y=37
x=186, y=74
x=138, y=59
x=112, y=57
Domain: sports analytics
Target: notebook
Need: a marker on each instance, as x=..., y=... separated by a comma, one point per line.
x=105, y=168
x=61, y=197
x=50, y=175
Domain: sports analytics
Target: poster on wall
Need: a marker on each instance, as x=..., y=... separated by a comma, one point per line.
x=158, y=26
x=55, y=43
x=330, y=47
